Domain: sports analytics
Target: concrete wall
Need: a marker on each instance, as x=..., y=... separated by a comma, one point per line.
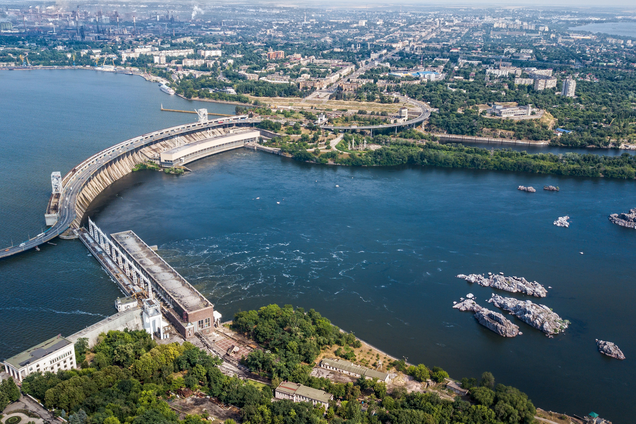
x=130, y=319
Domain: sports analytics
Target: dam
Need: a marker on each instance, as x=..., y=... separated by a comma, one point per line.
x=72, y=195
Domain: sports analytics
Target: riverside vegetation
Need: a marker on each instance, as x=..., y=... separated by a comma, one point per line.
x=127, y=378
x=429, y=153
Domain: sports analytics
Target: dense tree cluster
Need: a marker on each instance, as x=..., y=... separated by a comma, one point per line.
x=9, y=392
x=458, y=156
x=128, y=376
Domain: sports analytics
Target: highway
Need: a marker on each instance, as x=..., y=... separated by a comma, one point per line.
x=75, y=180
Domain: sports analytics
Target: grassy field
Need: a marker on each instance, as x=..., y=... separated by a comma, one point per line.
x=321, y=105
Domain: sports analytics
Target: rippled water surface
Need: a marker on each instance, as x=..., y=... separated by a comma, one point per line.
x=375, y=250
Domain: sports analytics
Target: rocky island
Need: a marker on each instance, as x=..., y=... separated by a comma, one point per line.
x=609, y=349
x=562, y=221
x=627, y=220
x=528, y=189
x=538, y=316
x=510, y=284
x=551, y=188
x=492, y=320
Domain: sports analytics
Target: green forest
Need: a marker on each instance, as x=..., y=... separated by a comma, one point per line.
x=127, y=378
x=430, y=153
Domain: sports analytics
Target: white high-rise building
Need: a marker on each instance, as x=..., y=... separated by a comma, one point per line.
x=569, y=87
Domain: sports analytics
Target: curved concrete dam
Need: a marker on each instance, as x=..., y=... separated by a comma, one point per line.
x=73, y=194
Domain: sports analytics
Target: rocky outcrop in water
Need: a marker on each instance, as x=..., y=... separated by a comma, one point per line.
x=538, y=316
x=510, y=284
x=627, y=220
x=609, y=349
x=496, y=322
x=528, y=189
x=467, y=305
x=492, y=320
x=562, y=221
x=551, y=188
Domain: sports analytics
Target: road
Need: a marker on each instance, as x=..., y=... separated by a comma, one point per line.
x=75, y=180
x=424, y=115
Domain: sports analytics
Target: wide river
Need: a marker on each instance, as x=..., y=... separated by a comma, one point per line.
x=375, y=250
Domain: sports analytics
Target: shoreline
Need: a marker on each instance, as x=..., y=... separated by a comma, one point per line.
x=461, y=138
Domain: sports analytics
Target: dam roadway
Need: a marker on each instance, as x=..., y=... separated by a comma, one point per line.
x=71, y=212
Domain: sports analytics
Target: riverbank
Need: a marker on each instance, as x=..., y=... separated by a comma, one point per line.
x=226, y=102
x=458, y=156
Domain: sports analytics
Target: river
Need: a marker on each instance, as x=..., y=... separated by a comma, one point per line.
x=376, y=250
x=621, y=28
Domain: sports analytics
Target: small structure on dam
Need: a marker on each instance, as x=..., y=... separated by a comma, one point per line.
x=187, y=153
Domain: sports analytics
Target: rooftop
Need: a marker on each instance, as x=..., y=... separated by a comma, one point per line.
x=290, y=388
x=38, y=352
x=353, y=368
x=219, y=139
x=165, y=276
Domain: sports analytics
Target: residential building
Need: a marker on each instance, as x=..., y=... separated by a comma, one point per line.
x=193, y=62
x=569, y=87
x=524, y=81
x=299, y=393
x=346, y=367
x=209, y=53
x=159, y=60
x=55, y=354
x=544, y=83
x=275, y=55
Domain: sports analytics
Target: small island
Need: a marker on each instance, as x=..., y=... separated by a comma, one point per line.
x=510, y=284
x=627, y=220
x=492, y=320
x=538, y=316
x=609, y=349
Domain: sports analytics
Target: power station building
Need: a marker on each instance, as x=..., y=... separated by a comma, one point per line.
x=187, y=309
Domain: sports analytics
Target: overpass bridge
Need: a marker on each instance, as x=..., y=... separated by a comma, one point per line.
x=424, y=115
x=83, y=183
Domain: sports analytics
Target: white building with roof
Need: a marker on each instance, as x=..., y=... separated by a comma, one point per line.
x=299, y=393
x=52, y=355
x=349, y=368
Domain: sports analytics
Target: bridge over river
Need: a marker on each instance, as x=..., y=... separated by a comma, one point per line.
x=84, y=182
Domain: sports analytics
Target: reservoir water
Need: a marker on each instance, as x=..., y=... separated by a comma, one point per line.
x=376, y=250
x=622, y=28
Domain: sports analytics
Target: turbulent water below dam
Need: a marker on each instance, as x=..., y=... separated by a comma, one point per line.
x=376, y=250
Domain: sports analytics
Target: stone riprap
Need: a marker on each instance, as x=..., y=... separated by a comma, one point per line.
x=538, y=316
x=492, y=320
x=627, y=220
x=510, y=284
x=609, y=349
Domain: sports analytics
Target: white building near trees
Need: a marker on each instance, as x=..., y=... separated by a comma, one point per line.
x=52, y=355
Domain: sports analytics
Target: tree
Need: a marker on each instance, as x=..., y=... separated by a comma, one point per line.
x=112, y=420
x=487, y=380
x=79, y=417
x=81, y=346
x=10, y=389
x=483, y=395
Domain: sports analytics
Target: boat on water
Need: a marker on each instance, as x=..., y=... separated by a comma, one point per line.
x=166, y=89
